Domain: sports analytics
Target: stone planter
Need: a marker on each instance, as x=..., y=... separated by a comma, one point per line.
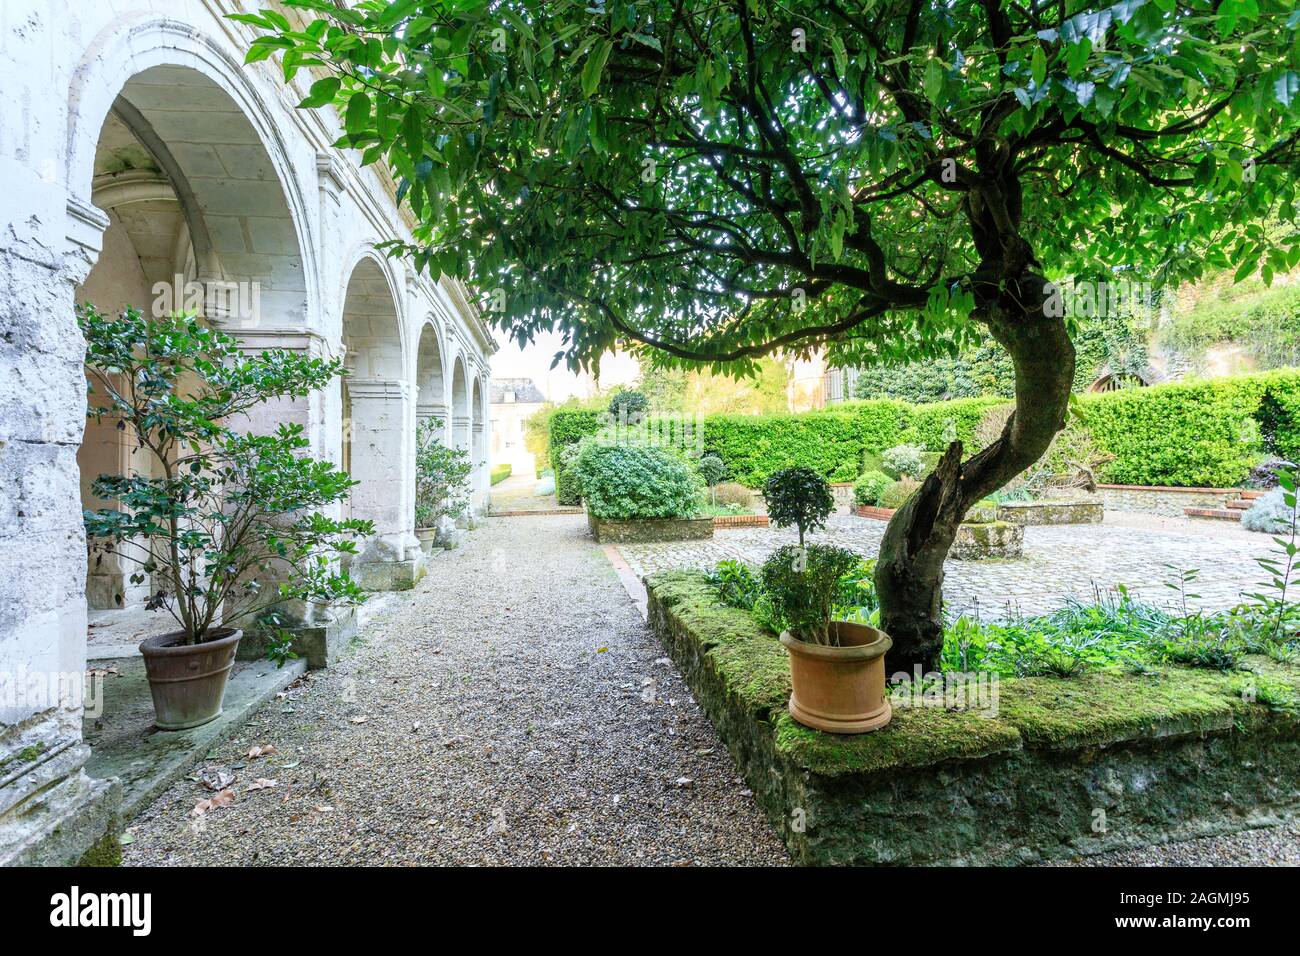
x=636, y=530
x=988, y=539
x=741, y=521
x=428, y=538
x=1051, y=512
x=188, y=681
x=873, y=511
x=840, y=689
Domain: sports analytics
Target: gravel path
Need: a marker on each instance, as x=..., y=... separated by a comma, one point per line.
x=513, y=709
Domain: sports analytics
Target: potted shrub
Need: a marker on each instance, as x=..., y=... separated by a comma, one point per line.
x=837, y=668
x=639, y=493
x=800, y=497
x=226, y=524
x=441, y=483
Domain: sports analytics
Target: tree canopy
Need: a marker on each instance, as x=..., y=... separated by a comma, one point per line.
x=718, y=180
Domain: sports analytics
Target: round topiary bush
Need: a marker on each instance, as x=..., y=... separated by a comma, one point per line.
x=898, y=492
x=629, y=405
x=906, y=461
x=869, y=486
x=800, y=497
x=635, y=481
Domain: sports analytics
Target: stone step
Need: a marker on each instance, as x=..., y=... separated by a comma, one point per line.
x=1250, y=494
x=1224, y=514
x=1238, y=504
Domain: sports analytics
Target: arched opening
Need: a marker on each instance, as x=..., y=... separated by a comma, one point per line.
x=378, y=429
x=197, y=221
x=460, y=407
x=431, y=388
x=478, y=442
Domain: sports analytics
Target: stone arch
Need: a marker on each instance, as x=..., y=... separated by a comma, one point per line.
x=461, y=420
x=195, y=215
x=430, y=377
x=185, y=96
x=378, y=424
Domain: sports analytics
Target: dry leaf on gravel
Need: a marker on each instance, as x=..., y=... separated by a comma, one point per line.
x=222, y=799
x=261, y=750
x=215, y=779
x=261, y=783
x=359, y=720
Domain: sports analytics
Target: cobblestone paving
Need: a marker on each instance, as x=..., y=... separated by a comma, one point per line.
x=1060, y=563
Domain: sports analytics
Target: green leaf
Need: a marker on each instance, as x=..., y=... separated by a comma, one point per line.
x=322, y=93
x=595, y=66
x=357, y=116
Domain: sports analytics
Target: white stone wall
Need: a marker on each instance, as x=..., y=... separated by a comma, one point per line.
x=264, y=198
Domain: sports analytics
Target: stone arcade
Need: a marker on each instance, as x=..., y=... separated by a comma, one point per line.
x=138, y=153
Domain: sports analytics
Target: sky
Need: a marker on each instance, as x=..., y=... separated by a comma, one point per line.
x=557, y=383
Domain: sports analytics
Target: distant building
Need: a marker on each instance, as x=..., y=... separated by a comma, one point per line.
x=511, y=402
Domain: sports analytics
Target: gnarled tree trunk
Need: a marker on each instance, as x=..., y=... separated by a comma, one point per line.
x=909, y=574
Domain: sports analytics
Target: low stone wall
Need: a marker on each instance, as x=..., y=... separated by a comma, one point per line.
x=1062, y=767
x=988, y=539
x=1051, y=512
x=1162, y=500
x=640, y=530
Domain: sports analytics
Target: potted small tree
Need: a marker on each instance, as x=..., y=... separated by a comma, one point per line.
x=800, y=497
x=837, y=668
x=225, y=526
x=441, y=483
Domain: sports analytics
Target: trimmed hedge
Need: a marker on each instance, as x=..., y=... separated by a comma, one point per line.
x=500, y=473
x=569, y=428
x=1188, y=434
x=1191, y=434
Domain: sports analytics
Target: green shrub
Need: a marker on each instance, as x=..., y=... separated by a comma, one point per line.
x=628, y=405
x=732, y=493
x=568, y=427
x=635, y=481
x=906, y=461
x=896, y=493
x=442, y=477
x=803, y=584
x=799, y=497
x=868, y=488
x=500, y=473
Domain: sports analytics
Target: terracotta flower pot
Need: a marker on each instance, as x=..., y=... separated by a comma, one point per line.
x=427, y=538
x=188, y=681
x=840, y=689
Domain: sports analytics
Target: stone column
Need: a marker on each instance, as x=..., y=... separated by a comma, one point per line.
x=382, y=455
x=320, y=633
x=51, y=811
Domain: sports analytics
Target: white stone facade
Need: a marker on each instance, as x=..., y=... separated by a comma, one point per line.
x=135, y=146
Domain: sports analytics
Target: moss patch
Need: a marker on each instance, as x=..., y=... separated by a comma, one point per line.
x=1098, y=709
x=915, y=737
x=107, y=851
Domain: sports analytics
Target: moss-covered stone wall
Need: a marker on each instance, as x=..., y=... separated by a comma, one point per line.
x=1066, y=767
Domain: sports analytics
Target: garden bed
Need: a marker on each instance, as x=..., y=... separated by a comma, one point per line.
x=639, y=530
x=873, y=511
x=1063, y=767
x=1051, y=512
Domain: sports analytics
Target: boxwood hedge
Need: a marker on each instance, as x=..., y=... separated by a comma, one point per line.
x=1192, y=434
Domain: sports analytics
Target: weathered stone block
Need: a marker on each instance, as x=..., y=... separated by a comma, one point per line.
x=1174, y=756
x=988, y=539
x=319, y=643
x=1051, y=512
x=608, y=531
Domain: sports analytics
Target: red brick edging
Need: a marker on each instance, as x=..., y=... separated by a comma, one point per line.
x=740, y=521
x=871, y=511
